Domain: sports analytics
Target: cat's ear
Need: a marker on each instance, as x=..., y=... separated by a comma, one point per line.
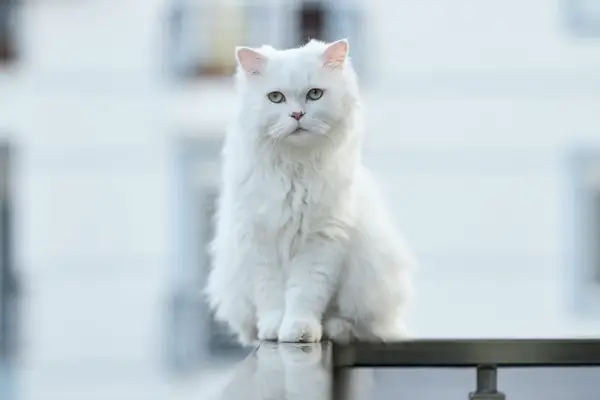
x=250, y=60
x=335, y=55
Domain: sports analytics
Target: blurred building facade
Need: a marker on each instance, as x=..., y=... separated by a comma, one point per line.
x=483, y=125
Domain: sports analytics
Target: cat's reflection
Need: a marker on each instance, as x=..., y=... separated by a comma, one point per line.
x=283, y=372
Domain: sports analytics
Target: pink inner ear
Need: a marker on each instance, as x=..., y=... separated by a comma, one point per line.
x=335, y=55
x=251, y=61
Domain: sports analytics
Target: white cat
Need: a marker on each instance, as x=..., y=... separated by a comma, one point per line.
x=304, y=247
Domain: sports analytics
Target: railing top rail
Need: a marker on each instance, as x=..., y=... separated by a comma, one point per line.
x=470, y=353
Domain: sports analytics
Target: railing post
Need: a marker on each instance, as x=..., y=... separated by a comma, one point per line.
x=487, y=384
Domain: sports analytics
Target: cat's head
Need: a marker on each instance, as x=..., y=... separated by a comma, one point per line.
x=297, y=96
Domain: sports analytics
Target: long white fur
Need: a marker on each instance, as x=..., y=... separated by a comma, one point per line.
x=304, y=246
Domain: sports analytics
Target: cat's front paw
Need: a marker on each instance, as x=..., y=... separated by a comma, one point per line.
x=268, y=326
x=300, y=330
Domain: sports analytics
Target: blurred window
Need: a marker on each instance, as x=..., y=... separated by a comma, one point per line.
x=312, y=21
x=583, y=17
x=7, y=31
x=8, y=287
x=591, y=213
x=586, y=239
x=203, y=35
x=330, y=21
x=195, y=336
x=595, y=217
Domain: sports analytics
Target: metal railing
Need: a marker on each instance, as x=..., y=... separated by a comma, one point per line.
x=320, y=371
x=484, y=355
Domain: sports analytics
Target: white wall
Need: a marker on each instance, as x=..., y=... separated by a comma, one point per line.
x=493, y=97
x=92, y=207
x=470, y=118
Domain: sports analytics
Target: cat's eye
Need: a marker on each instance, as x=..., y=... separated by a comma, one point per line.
x=276, y=97
x=314, y=94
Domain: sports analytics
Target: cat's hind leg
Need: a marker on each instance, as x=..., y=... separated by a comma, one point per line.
x=241, y=319
x=338, y=329
x=230, y=302
x=386, y=332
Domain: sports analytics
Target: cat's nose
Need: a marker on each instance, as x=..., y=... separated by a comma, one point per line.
x=297, y=115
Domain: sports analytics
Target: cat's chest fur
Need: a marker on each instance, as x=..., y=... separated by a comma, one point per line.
x=289, y=203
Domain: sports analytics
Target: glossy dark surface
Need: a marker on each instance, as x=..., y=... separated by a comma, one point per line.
x=548, y=369
x=286, y=371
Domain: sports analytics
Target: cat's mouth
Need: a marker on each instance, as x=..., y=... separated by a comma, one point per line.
x=299, y=131
x=300, y=137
